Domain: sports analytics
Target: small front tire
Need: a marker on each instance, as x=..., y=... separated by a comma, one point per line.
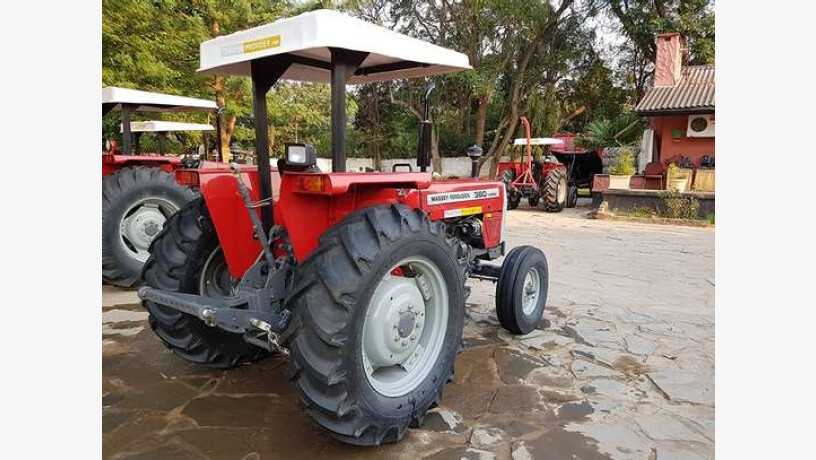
x=521, y=291
x=572, y=195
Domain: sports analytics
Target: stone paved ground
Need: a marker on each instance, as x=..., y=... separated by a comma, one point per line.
x=621, y=367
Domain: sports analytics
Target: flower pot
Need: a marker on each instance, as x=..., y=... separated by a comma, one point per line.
x=678, y=184
x=619, y=182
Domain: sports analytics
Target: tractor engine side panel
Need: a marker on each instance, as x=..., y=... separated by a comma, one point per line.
x=461, y=198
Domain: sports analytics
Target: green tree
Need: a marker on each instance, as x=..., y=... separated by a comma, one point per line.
x=154, y=45
x=642, y=20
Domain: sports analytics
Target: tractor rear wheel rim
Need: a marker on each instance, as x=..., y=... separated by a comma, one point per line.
x=215, y=280
x=141, y=223
x=562, y=190
x=530, y=292
x=405, y=326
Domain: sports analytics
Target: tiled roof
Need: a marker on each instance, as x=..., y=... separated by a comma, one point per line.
x=694, y=93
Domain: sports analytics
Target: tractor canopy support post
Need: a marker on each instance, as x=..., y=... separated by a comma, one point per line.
x=343, y=64
x=127, y=137
x=218, y=114
x=265, y=72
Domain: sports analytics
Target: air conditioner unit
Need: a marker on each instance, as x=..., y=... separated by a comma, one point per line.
x=700, y=126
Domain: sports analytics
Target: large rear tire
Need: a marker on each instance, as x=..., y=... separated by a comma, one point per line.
x=555, y=191
x=364, y=363
x=186, y=257
x=136, y=202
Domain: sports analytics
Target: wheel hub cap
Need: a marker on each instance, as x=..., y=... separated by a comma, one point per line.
x=395, y=321
x=140, y=227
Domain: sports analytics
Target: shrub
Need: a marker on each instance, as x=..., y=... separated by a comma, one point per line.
x=625, y=164
x=678, y=206
x=642, y=212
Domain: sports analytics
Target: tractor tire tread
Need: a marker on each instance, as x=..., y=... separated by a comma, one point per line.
x=115, y=188
x=550, y=191
x=323, y=301
x=176, y=254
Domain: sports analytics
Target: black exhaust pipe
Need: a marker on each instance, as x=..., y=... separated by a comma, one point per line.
x=425, y=127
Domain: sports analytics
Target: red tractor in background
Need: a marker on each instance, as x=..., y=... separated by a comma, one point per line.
x=140, y=190
x=541, y=182
x=360, y=278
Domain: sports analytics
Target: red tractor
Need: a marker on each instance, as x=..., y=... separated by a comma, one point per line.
x=360, y=278
x=140, y=190
x=542, y=182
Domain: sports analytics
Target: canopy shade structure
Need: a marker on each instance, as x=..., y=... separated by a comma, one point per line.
x=538, y=141
x=308, y=40
x=144, y=101
x=320, y=46
x=153, y=126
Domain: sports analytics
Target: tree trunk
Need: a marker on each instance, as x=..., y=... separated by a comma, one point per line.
x=436, y=160
x=481, y=118
x=219, y=86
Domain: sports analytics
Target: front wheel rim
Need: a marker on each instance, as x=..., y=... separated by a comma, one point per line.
x=531, y=289
x=405, y=326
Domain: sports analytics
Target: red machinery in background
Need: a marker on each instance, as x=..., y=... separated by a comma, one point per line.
x=540, y=181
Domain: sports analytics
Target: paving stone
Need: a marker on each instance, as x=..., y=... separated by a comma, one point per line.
x=559, y=444
x=483, y=437
x=620, y=439
x=663, y=427
x=514, y=367
x=681, y=386
x=515, y=398
x=592, y=332
x=550, y=377
x=520, y=452
x=172, y=449
x=463, y=453
x=674, y=453
x=639, y=345
x=586, y=370
x=443, y=420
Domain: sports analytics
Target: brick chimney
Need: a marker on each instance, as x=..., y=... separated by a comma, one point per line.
x=668, y=64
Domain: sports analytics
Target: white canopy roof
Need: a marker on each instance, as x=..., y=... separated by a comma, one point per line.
x=310, y=35
x=146, y=101
x=538, y=141
x=151, y=126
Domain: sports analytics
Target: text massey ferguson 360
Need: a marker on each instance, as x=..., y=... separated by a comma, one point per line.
x=360, y=277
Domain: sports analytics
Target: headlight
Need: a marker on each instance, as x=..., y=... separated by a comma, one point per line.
x=300, y=155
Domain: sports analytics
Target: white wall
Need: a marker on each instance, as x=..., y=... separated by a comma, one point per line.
x=455, y=166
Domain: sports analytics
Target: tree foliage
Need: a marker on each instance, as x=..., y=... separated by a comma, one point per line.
x=538, y=58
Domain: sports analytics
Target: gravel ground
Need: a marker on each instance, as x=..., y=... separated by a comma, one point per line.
x=621, y=367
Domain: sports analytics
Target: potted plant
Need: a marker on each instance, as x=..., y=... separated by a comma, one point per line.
x=676, y=179
x=621, y=172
